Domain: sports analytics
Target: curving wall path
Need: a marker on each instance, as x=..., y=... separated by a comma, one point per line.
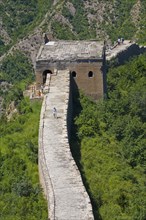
x=124, y=51
x=59, y=175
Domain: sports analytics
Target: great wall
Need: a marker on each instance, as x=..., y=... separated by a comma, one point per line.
x=59, y=175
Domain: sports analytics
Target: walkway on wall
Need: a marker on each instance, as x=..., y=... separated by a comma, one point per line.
x=111, y=53
x=60, y=178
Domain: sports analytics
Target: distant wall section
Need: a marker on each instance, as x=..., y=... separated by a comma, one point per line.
x=125, y=52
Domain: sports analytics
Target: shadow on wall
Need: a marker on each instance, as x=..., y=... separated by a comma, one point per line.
x=75, y=144
x=45, y=75
x=124, y=56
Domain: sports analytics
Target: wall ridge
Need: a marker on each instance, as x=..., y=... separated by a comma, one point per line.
x=45, y=179
x=59, y=174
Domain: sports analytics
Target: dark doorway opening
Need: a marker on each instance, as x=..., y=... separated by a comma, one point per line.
x=90, y=74
x=45, y=75
x=74, y=74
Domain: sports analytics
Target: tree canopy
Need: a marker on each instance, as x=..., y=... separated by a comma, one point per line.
x=112, y=136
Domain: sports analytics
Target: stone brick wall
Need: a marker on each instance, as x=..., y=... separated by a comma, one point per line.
x=44, y=176
x=84, y=206
x=92, y=86
x=69, y=110
x=124, y=52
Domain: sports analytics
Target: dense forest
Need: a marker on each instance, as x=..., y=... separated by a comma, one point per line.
x=21, y=196
x=110, y=151
x=101, y=19
x=112, y=144
x=72, y=19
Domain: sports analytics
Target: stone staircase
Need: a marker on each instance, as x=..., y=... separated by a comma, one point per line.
x=59, y=175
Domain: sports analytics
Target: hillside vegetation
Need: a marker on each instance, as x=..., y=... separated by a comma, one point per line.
x=102, y=19
x=111, y=134
x=17, y=71
x=73, y=19
x=21, y=196
x=112, y=140
x=18, y=19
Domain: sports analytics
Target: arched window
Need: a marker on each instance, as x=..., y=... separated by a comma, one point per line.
x=74, y=74
x=90, y=74
x=45, y=75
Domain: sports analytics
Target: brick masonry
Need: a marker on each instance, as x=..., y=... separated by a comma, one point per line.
x=80, y=57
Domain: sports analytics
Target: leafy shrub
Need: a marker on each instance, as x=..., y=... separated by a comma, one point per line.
x=112, y=149
x=21, y=196
x=16, y=68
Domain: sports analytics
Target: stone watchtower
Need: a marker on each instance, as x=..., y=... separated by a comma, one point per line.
x=84, y=59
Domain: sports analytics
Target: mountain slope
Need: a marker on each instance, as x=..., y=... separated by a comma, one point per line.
x=112, y=159
x=73, y=19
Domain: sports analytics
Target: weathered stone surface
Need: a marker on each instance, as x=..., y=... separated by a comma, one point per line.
x=70, y=50
x=114, y=51
x=59, y=175
x=84, y=60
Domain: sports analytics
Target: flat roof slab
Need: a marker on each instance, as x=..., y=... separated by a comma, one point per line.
x=70, y=50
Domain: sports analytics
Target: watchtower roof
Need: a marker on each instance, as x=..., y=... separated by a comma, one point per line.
x=63, y=50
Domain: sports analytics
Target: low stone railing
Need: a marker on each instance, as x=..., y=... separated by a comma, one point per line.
x=45, y=179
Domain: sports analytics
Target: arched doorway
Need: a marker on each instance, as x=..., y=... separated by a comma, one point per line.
x=45, y=75
x=74, y=74
x=90, y=74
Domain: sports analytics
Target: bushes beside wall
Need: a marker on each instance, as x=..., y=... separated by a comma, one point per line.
x=21, y=196
x=112, y=135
